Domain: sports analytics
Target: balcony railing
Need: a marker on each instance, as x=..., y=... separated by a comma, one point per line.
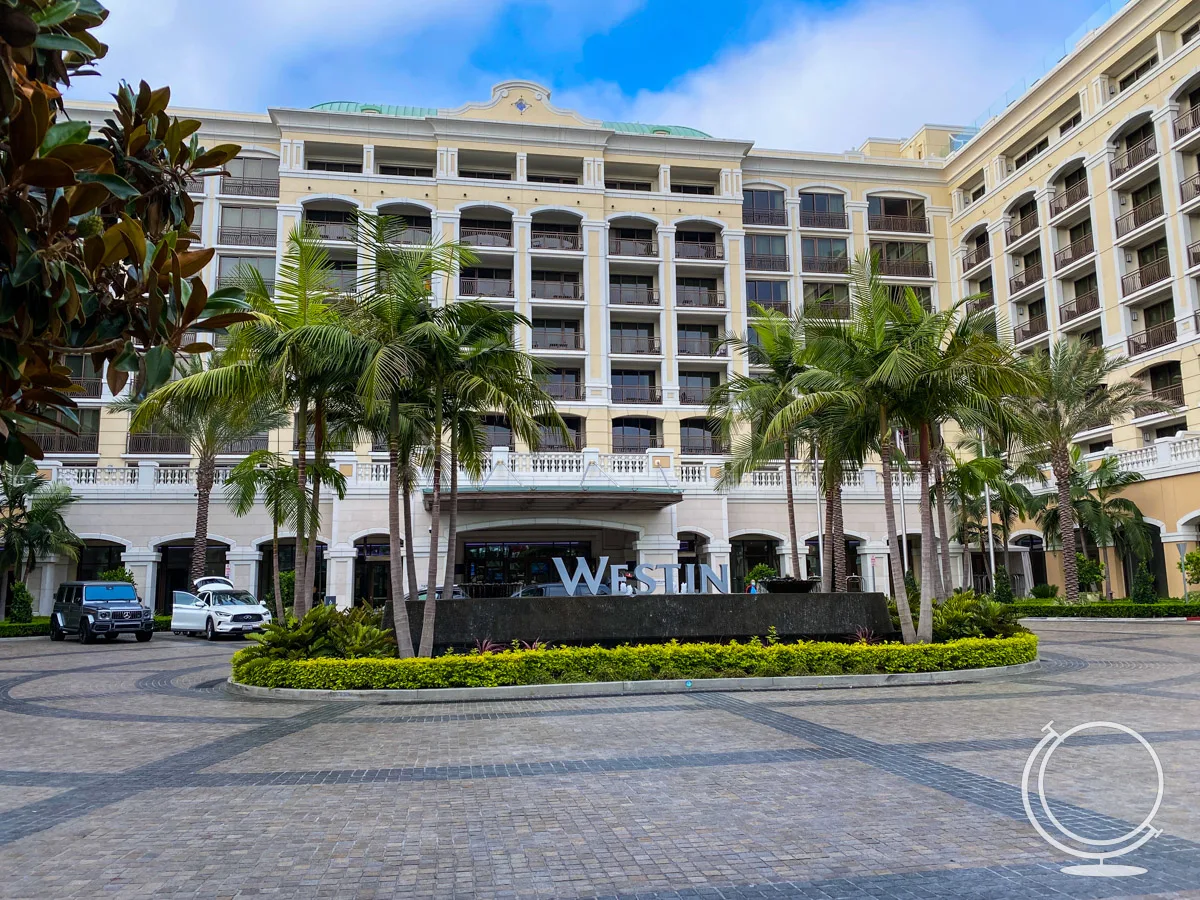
x=332, y=231
x=62, y=442
x=635, y=344
x=979, y=304
x=632, y=247
x=1186, y=123
x=250, y=445
x=474, y=236
x=250, y=187
x=1190, y=189
x=485, y=287
x=557, y=339
x=810, y=219
x=1151, y=273
x=1076, y=193
x=556, y=290
x=1074, y=252
x=1027, y=277
x=411, y=235
x=555, y=240
x=1169, y=393
x=344, y=280
x=1133, y=157
x=230, y=279
x=1031, y=329
x=767, y=262
x=705, y=446
x=977, y=256
x=1079, y=306
x=637, y=393
x=824, y=265
x=829, y=309
x=1140, y=215
x=764, y=216
x=905, y=224
x=632, y=295
x=906, y=268
x=779, y=306
x=1152, y=338
x=247, y=237
x=194, y=185
x=699, y=250
x=158, y=444
x=1193, y=254
x=564, y=390
x=554, y=443
x=699, y=298
x=627, y=443
x=696, y=396
x=1021, y=228
x=701, y=346
x=91, y=387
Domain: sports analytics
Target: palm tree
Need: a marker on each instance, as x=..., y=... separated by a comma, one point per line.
x=964, y=483
x=1074, y=392
x=32, y=522
x=211, y=425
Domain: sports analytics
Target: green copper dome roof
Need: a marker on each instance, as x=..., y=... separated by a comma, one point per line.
x=419, y=112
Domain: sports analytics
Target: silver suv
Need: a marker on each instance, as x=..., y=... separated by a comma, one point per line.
x=88, y=609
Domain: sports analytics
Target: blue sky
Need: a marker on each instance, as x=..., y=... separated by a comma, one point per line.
x=798, y=74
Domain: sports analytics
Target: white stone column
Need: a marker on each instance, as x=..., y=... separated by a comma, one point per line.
x=368, y=162
x=44, y=599
x=243, y=567
x=522, y=167
x=143, y=563
x=664, y=178
x=340, y=575
x=656, y=550
x=873, y=560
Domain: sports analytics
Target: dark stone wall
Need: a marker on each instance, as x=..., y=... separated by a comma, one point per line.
x=652, y=618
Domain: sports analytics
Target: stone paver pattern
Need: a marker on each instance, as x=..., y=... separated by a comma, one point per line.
x=127, y=771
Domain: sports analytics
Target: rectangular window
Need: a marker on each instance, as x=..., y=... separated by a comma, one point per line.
x=1080, y=231
x=332, y=165
x=1033, y=152
x=1146, y=194
x=610, y=185
x=1071, y=124
x=826, y=293
x=978, y=193
x=823, y=203
x=759, y=199
x=896, y=206
x=253, y=167
x=263, y=217
x=828, y=248
x=1159, y=313
x=553, y=179
x=406, y=171
x=1188, y=34
x=1152, y=253
x=1132, y=78
x=769, y=292
x=704, y=189
x=486, y=175
x=1093, y=338
x=1076, y=177
x=766, y=245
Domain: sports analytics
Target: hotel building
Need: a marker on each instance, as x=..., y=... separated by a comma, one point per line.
x=633, y=248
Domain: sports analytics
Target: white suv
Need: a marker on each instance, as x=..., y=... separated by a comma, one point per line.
x=217, y=608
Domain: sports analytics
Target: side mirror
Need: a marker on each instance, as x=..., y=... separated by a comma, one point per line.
x=199, y=603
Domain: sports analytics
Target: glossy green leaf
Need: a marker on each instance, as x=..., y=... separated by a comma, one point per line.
x=64, y=133
x=116, y=185
x=160, y=361
x=62, y=42
x=56, y=13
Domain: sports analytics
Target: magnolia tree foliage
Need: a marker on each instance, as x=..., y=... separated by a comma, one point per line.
x=96, y=250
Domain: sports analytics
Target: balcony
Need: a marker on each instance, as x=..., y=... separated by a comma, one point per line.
x=637, y=393
x=250, y=187
x=412, y=236
x=556, y=339
x=1027, y=277
x=194, y=185
x=249, y=445
x=632, y=295
x=976, y=257
x=1079, y=306
x=1028, y=330
x=1169, y=393
x=555, y=240
x=636, y=344
x=1186, y=123
x=1147, y=275
x=639, y=247
x=1193, y=254
x=1072, y=253
x=764, y=216
x=1190, y=189
x=1076, y=193
x=829, y=309
x=1021, y=228
x=710, y=445
x=63, y=442
x=779, y=306
x=1132, y=158
x=628, y=443
x=699, y=298
x=158, y=444
x=555, y=443
x=981, y=304
x=91, y=387
x=824, y=265
x=906, y=268
x=696, y=396
x=556, y=290
x=332, y=231
x=1139, y=216
x=810, y=219
x=247, y=237
x=904, y=224
x=485, y=287
x=701, y=346
x=699, y=250
x=231, y=279
x=477, y=236
x=1152, y=338
x=767, y=262
x=564, y=390
x=343, y=281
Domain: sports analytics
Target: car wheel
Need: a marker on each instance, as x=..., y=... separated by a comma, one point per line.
x=56, y=633
x=144, y=636
x=210, y=632
x=85, y=633
x=111, y=637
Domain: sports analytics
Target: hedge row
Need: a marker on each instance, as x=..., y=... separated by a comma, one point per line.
x=40, y=627
x=633, y=663
x=1170, y=608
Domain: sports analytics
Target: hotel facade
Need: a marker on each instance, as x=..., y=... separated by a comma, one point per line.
x=632, y=249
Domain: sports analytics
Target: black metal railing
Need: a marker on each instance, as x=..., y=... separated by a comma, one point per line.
x=1074, y=252
x=158, y=443
x=979, y=255
x=699, y=298
x=246, y=237
x=1021, y=228
x=1031, y=329
x=1152, y=338
x=637, y=393
x=1076, y=193
x=764, y=216
x=1027, y=277
x=701, y=346
x=1133, y=157
x=699, y=250
x=1079, y=306
x=632, y=295
x=1140, y=215
x=812, y=219
x=557, y=339
x=555, y=240
x=825, y=265
x=635, y=343
x=1150, y=273
x=632, y=247
x=250, y=187
x=905, y=224
x=485, y=287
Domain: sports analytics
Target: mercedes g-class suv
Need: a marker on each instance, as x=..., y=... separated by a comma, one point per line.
x=87, y=609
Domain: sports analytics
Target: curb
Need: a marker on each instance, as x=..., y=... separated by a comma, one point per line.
x=626, y=688
x=1174, y=620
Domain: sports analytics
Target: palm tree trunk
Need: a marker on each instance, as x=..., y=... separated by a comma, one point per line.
x=1060, y=464
x=435, y=514
x=301, y=548
x=452, y=524
x=314, y=513
x=399, y=608
x=279, y=610
x=1108, y=576
x=838, y=531
x=828, y=567
x=3, y=593
x=899, y=594
x=410, y=554
x=791, y=507
x=939, y=494
x=930, y=576
x=204, y=485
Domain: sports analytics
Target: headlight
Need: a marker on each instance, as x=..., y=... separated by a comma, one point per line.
x=147, y=613
x=221, y=613
x=103, y=614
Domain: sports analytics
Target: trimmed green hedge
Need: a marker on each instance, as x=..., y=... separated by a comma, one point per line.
x=40, y=627
x=641, y=663
x=1167, y=609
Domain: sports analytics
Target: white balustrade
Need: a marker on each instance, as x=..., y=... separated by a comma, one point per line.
x=1185, y=449
x=98, y=476
x=1138, y=460
x=623, y=463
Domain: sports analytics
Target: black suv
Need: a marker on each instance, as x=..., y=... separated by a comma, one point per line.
x=90, y=608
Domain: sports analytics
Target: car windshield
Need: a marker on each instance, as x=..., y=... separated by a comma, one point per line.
x=109, y=593
x=232, y=598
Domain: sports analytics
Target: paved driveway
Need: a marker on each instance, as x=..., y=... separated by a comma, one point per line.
x=125, y=771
